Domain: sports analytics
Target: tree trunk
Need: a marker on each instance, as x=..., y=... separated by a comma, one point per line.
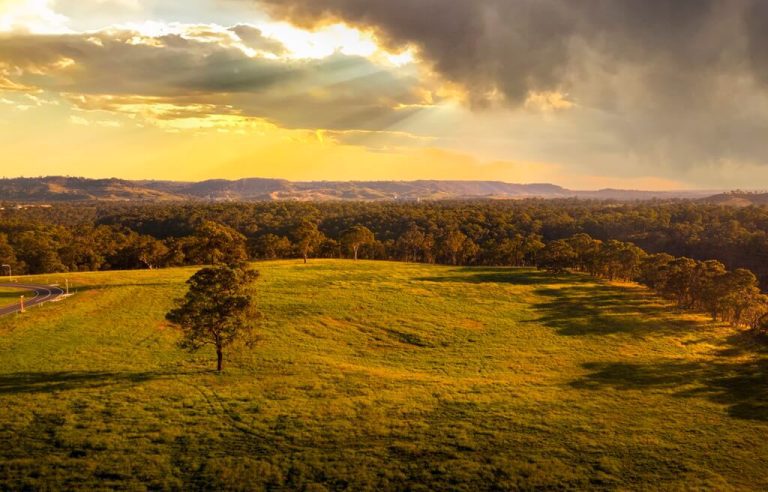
x=219, y=359
x=305, y=258
x=355, y=248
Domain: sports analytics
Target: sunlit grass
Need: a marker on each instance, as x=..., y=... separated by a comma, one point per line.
x=378, y=375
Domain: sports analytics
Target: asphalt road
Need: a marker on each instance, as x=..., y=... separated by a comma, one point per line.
x=38, y=295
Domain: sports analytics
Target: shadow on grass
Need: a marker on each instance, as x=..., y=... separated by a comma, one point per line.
x=46, y=382
x=602, y=310
x=505, y=275
x=737, y=377
x=742, y=386
x=85, y=288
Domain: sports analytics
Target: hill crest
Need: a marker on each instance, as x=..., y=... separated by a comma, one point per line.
x=72, y=189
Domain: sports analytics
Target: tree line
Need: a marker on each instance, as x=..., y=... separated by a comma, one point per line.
x=54, y=248
x=97, y=236
x=556, y=235
x=705, y=286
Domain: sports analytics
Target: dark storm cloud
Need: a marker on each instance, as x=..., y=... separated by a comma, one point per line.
x=518, y=46
x=207, y=71
x=757, y=24
x=466, y=40
x=674, y=81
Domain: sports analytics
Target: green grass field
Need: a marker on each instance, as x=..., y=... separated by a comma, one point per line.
x=9, y=295
x=382, y=376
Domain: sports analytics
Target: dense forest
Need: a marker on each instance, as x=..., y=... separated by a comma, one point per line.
x=637, y=241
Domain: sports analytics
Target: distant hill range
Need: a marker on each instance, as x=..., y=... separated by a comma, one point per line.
x=738, y=199
x=68, y=189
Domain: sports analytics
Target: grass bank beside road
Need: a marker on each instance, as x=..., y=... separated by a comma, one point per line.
x=8, y=295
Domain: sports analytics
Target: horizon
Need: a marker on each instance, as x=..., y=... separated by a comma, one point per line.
x=639, y=97
x=319, y=181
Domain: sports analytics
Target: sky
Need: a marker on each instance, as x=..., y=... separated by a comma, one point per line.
x=588, y=94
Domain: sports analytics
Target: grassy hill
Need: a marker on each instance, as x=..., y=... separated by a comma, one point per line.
x=53, y=189
x=738, y=199
x=376, y=375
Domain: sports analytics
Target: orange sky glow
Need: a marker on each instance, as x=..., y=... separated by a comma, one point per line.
x=154, y=90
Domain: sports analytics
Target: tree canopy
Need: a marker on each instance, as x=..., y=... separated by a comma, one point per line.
x=308, y=238
x=356, y=237
x=217, y=310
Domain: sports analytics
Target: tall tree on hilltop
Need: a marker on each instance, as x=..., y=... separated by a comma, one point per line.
x=217, y=309
x=356, y=237
x=308, y=238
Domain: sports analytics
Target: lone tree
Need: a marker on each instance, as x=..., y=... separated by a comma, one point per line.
x=217, y=309
x=356, y=237
x=308, y=238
